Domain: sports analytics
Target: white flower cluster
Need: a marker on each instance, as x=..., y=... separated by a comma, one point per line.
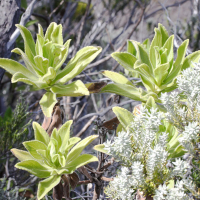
x=175, y=193
x=123, y=186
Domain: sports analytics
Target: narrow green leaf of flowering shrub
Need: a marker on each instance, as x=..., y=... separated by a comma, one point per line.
x=39, y=45
x=56, y=35
x=161, y=73
x=74, y=89
x=169, y=45
x=64, y=133
x=33, y=146
x=27, y=62
x=81, y=161
x=40, y=134
x=28, y=41
x=49, y=31
x=100, y=148
x=76, y=65
x=22, y=155
x=125, y=59
x=116, y=77
x=47, y=103
x=157, y=41
x=164, y=33
x=12, y=67
x=125, y=90
x=40, y=30
x=146, y=44
x=151, y=103
x=131, y=48
x=78, y=148
x=35, y=168
x=178, y=63
x=193, y=57
x=144, y=57
x=50, y=75
x=124, y=116
x=46, y=185
x=72, y=141
x=63, y=55
x=41, y=63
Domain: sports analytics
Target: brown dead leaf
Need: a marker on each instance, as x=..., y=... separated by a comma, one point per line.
x=74, y=179
x=58, y=192
x=95, y=87
x=111, y=124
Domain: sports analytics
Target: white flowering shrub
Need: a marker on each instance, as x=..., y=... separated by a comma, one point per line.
x=159, y=151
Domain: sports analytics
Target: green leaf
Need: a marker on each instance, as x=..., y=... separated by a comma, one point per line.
x=19, y=77
x=161, y=73
x=56, y=35
x=28, y=42
x=42, y=64
x=157, y=41
x=64, y=54
x=164, y=33
x=31, y=22
x=144, y=57
x=78, y=148
x=169, y=45
x=50, y=75
x=39, y=44
x=33, y=146
x=146, y=44
x=46, y=185
x=125, y=90
x=178, y=63
x=151, y=103
x=125, y=59
x=100, y=148
x=72, y=141
x=40, y=31
x=13, y=67
x=47, y=103
x=35, y=168
x=74, y=89
x=124, y=116
x=116, y=77
x=181, y=53
x=193, y=57
x=64, y=133
x=78, y=63
x=49, y=31
x=21, y=155
x=40, y=134
x=131, y=48
x=81, y=161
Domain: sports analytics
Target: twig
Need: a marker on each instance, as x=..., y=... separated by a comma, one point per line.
x=60, y=4
x=24, y=19
x=81, y=27
x=120, y=48
x=86, y=126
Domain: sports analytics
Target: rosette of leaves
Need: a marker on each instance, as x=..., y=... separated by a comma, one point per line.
x=53, y=157
x=155, y=64
x=43, y=61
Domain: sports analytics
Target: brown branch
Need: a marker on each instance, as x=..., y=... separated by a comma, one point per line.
x=60, y=4
x=120, y=48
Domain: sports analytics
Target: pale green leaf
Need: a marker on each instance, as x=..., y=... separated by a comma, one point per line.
x=40, y=134
x=72, y=141
x=13, y=67
x=39, y=45
x=124, y=116
x=19, y=77
x=161, y=73
x=56, y=35
x=81, y=161
x=35, y=168
x=64, y=54
x=193, y=57
x=125, y=90
x=78, y=63
x=40, y=30
x=22, y=155
x=74, y=89
x=33, y=146
x=42, y=64
x=64, y=133
x=164, y=33
x=78, y=148
x=47, y=103
x=50, y=75
x=125, y=59
x=29, y=43
x=46, y=185
x=49, y=31
x=100, y=148
x=116, y=77
x=131, y=48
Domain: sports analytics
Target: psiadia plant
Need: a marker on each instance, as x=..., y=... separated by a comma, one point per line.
x=54, y=157
x=44, y=60
x=155, y=63
x=149, y=150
